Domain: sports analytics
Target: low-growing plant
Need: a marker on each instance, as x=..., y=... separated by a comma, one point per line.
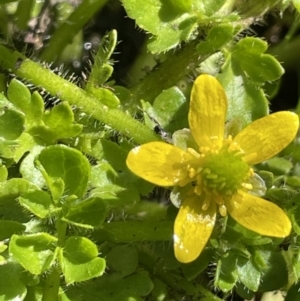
x=171, y=181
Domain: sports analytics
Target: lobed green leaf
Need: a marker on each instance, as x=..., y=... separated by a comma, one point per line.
x=226, y=273
x=8, y=228
x=67, y=164
x=9, y=191
x=35, y=252
x=89, y=213
x=168, y=24
x=79, y=260
x=216, y=38
x=259, y=67
x=38, y=202
x=58, y=123
x=249, y=275
x=31, y=105
x=169, y=110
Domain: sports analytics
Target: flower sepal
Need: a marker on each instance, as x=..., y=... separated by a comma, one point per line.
x=184, y=139
x=258, y=185
x=179, y=194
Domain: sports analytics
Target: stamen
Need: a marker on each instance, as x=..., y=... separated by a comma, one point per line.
x=198, y=190
x=223, y=210
x=192, y=172
x=193, y=152
x=204, y=149
x=251, y=172
x=214, y=151
x=206, y=202
x=247, y=186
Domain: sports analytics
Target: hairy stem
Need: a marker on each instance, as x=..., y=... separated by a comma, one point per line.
x=168, y=74
x=52, y=285
x=66, y=91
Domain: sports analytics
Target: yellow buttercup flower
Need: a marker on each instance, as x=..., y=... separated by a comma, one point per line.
x=218, y=172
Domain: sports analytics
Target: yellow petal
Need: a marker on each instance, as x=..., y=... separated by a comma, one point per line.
x=266, y=137
x=208, y=109
x=259, y=215
x=192, y=229
x=159, y=163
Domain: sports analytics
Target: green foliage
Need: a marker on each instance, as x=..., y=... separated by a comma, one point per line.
x=217, y=37
x=123, y=259
x=102, y=71
x=134, y=287
x=192, y=270
x=75, y=223
x=259, y=67
x=164, y=20
x=38, y=247
x=171, y=22
x=292, y=292
x=169, y=110
x=31, y=106
x=79, y=260
x=11, y=286
x=90, y=213
x=72, y=172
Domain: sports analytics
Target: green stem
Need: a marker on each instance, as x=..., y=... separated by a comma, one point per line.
x=4, y=24
x=168, y=74
x=292, y=30
x=52, y=285
x=134, y=231
x=61, y=228
x=101, y=70
x=285, y=51
x=68, y=29
x=23, y=12
x=3, y=81
x=66, y=91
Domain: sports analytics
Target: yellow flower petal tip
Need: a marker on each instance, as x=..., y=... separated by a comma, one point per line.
x=267, y=136
x=192, y=229
x=259, y=215
x=208, y=107
x=217, y=173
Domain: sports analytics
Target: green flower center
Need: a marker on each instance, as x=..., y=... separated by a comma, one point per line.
x=224, y=172
x=219, y=173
